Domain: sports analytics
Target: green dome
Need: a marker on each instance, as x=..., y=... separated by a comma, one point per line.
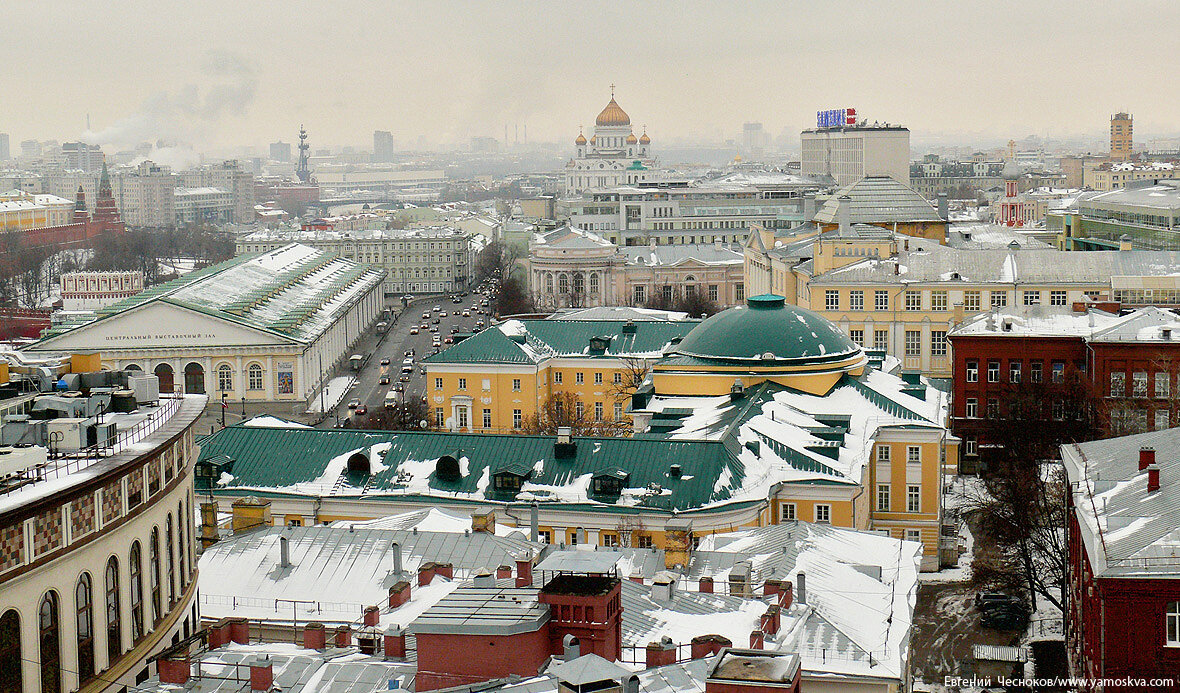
x=768, y=330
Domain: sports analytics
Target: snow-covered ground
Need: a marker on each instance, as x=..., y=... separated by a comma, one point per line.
x=953, y=501
x=332, y=394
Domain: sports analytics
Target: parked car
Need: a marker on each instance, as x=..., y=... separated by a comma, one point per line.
x=414, y=329
x=1005, y=616
x=385, y=362
x=448, y=340
x=983, y=600
x=354, y=403
x=467, y=313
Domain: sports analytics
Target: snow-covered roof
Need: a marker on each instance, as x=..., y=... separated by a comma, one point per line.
x=683, y=253
x=1126, y=529
x=617, y=313
x=982, y=236
x=1036, y=321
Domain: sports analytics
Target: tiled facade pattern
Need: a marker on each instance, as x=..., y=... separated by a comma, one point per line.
x=12, y=547
x=112, y=502
x=48, y=532
x=153, y=473
x=135, y=488
x=82, y=513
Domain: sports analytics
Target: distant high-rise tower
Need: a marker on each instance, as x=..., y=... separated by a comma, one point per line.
x=1120, y=136
x=382, y=145
x=5, y=150
x=302, y=171
x=280, y=151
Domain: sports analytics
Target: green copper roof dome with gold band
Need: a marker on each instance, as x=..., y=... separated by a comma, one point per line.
x=767, y=330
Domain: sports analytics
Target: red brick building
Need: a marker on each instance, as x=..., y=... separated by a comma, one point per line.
x=1131, y=362
x=1123, y=605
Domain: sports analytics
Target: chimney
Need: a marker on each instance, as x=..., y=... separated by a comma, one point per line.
x=395, y=643
x=284, y=552
x=661, y=653
x=218, y=634
x=504, y=572
x=708, y=645
x=484, y=578
x=663, y=588
x=770, y=619
x=239, y=630
x=425, y=574
x=1153, y=479
x=1125, y=242
x=484, y=521
x=446, y=570
x=396, y=550
x=771, y=587
x=174, y=668
x=636, y=577
x=524, y=571
x=844, y=213
x=801, y=587
x=314, y=636
x=399, y=594
x=705, y=585
x=1166, y=334
x=737, y=390
x=262, y=676
x=366, y=640
x=944, y=208
x=534, y=522
x=630, y=683
x=372, y=615
x=1146, y=457
x=570, y=647
x=808, y=206
x=343, y=636
x=786, y=595
x=757, y=640
x=565, y=447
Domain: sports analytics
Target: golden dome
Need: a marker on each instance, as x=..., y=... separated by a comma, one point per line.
x=631, y=139
x=612, y=115
x=581, y=139
x=593, y=139
x=645, y=139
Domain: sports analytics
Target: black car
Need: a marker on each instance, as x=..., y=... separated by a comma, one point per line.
x=985, y=600
x=1005, y=617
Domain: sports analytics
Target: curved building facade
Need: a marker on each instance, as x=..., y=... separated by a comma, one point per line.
x=97, y=561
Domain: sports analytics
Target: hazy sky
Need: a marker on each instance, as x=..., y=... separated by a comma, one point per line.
x=217, y=73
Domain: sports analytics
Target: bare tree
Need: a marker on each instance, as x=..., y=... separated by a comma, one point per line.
x=407, y=415
x=566, y=409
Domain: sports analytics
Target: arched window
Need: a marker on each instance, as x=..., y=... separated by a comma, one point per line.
x=180, y=543
x=11, y=680
x=548, y=282
x=225, y=378
x=114, y=623
x=594, y=284
x=168, y=547
x=135, y=568
x=50, y=632
x=579, y=283
x=84, y=599
x=154, y=575
x=254, y=377
x=563, y=283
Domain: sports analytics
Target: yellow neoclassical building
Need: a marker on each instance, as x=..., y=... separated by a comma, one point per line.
x=763, y=413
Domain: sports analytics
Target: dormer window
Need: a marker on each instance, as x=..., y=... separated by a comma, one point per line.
x=609, y=481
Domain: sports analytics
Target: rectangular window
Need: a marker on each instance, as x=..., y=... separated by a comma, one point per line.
x=993, y=371
x=1139, y=384
x=1172, y=624
x=970, y=446
x=640, y=294
x=462, y=383
x=516, y=384
x=516, y=418
x=881, y=300
x=1031, y=298
x=1118, y=384
x=1162, y=419
x=1058, y=372
x=857, y=336
x=938, y=342
x=1057, y=298
x=1059, y=410
x=856, y=299
x=462, y=412
x=617, y=378
x=643, y=541
x=739, y=291
x=913, y=454
x=1014, y=369
x=579, y=409
x=579, y=378
x=972, y=371
x=883, y=454
x=557, y=377
x=1036, y=371
x=972, y=300
x=913, y=300
x=788, y=511
x=712, y=293
x=913, y=498
x=914, y=535
x=439, y=418
x=993, y=408
x=971, y=408
x=913, y=343
x=999, y=299
x=823, y=513
x=487, y=418
x=618, y=411
x=545, y=535
x=598, y=411
x=598, y=378
x=486, y=384
x=881, y=339
x=883, y=497
x=1162, y=384
x=831, y=300
x=938, y=300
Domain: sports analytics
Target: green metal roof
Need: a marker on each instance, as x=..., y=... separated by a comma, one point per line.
x=768, y=325
x=277, y=460
x=542, y=339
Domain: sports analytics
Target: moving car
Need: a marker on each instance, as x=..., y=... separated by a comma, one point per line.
x=362, y=410
x=385, y=361
x=354, y=403
x=467, y=313
x=448, y=340
x=414, y=329
x=384, y=380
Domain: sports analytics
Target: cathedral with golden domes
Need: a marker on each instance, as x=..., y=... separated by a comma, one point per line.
x=613, y=155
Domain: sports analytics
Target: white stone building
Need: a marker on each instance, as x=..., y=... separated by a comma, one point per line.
x=612, y=156
x=849, y=153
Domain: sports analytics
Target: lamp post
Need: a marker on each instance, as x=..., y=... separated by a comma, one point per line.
x=224, y=406
x=243, y=407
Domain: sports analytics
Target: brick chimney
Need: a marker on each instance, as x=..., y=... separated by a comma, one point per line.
x=425, y=574
x=757, y=640
x=399, y=594
x=315, y=636
x=786, y=595
x=372, y=615
x=589, y=608
x=239, y=630
x=1146, y=457
x=708, y=645
x=446, y=570
x=1153, y=479
x=772, y=617
x=395, y=643
x=705, y=585
x=343, y=636
x=262, y=677
x=174, y=668
x=661, y=653
x=524, y=571
x=504, y=572
x=218, y=634
x=771, y=587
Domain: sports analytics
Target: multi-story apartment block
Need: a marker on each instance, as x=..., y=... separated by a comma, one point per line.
x=203, y=204
x=426, y=260
x=145, y=195
x=1121, y=136
x=230, y=177
x=721, y=209
x=847, y=153
x=1107, y=175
